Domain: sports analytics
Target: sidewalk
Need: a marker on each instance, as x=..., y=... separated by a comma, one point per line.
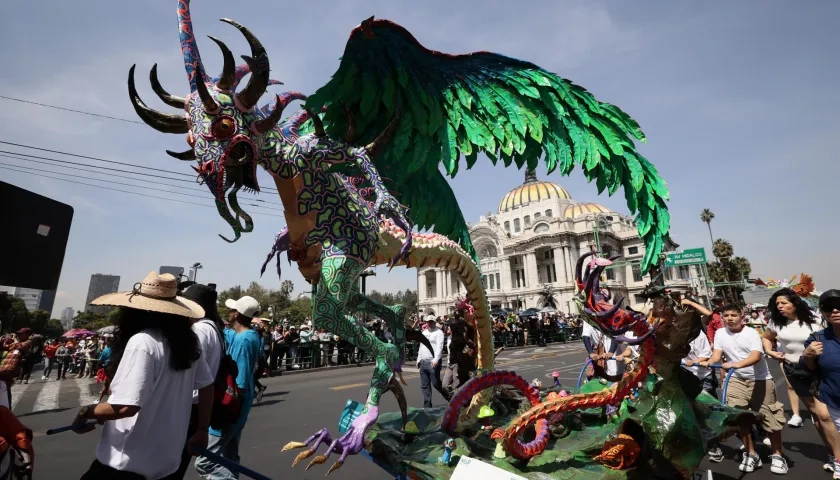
x=405, y=368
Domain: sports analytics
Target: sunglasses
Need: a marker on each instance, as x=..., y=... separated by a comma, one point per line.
x=830, y=306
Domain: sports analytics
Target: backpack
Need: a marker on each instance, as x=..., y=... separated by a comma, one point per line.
x=227, y=396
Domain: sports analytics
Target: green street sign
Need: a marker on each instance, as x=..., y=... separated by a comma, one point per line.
x=692, y=256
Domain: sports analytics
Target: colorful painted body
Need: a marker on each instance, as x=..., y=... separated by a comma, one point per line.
x=401, y=111
x=619, y=453
x=614, y=324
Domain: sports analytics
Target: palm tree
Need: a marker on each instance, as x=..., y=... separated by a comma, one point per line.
x=722, y=249
x=706, y=216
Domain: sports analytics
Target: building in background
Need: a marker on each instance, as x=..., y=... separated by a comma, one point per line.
x=33, y=298
x=101, y=284
x=532, y=245
x=177, y=271
x=67, y=318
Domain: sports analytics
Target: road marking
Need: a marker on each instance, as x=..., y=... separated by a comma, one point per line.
x=47, y=398
x=85, y=398
x=356, y=385
x=17, y=395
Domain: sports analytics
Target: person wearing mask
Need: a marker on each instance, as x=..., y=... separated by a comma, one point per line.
x=155, y=368
x=822, y=357
x=791, y=324
x=429, y=362
x=243, y=346
x=211, y=341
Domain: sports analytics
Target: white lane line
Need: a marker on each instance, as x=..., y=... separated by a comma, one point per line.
x=85, y=398
x=47, y=398
x=17, y=394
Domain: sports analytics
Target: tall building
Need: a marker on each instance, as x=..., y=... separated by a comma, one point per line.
x=101, y=284
x=532, y=245
x=177, y=271
x=47, y=301
x=67, y=318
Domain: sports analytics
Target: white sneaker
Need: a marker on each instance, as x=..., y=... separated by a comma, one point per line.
x=43, y=377
x=766, y=441
x=751, y=462
x=795, y=421
x=778, y=464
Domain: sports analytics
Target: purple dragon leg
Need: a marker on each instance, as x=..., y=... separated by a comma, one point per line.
x=320, y=437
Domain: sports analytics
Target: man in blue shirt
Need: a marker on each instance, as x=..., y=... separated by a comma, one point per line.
x=243, y=346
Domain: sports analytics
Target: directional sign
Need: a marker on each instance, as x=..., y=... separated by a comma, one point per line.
x=692, y=256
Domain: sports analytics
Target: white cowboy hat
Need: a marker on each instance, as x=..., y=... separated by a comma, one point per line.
x=156, y=293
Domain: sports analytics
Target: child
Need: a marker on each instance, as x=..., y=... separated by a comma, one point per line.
x=701, y=351
x=751, y=386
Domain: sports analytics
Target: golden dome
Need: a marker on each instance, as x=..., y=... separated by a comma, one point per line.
x=532, y=190
x=581, y=209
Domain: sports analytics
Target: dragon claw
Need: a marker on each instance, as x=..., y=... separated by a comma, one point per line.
x=335, y=466
x=303, y=455
x=292, y=445
x=317, y=461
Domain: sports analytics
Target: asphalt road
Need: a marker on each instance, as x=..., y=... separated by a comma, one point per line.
x=295, y=406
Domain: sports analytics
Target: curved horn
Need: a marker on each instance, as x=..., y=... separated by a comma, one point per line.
x=188, y=155
x=319, y=126
x=192, y=60
x=579, y=266
x=258, y=63
x=227, y=79
x=271, y=120
x=171, y=100
x=162, y=122
x=379, y=142
x=210, y=105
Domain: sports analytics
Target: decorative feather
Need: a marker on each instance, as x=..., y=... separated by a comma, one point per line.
x=805, y=287
x=462, y=105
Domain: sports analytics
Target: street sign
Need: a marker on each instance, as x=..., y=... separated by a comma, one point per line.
x=691, y=256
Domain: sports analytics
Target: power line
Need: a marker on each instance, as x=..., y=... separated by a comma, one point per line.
x=120, y=183
x=69, y=109
x=129, y=192
x=120, y=176
x=39, y=157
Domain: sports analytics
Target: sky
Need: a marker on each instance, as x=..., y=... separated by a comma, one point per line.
x=738, y=101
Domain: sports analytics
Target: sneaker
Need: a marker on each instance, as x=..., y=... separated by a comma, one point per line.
x=829, y=465
x=43, y=377
x=778, y=464
x=751, y=462
x=715, y=455
x=766, y=441
x=795, y=421
x=260, y=391
x=836, y=475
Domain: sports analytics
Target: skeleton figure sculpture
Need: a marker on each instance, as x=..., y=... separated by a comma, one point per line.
x=401, y=110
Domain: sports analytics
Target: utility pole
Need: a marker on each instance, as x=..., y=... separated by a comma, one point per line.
x=195, y=268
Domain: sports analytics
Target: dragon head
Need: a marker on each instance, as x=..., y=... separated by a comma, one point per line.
x=594, y=303
x=225, y=130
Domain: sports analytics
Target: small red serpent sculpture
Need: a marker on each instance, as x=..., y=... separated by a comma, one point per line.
x=607, y=317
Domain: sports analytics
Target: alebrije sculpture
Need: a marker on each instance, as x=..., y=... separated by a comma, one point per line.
x=499, y=436
x=536, y=383
x=448, y=446
x=484, y=415
x=356, y=182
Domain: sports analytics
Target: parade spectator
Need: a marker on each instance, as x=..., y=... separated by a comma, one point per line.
x=62, y=358
x=49, y=358
x=278, y=348
x=429, y=362
x=292, y=339
x=822, y=356
x=461, y=352
x=11, y=366
x=750, y=387
x=243, y=346
x=156, y=367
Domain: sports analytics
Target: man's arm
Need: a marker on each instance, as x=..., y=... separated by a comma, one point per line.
x=700, y=308
x=717, y=354
x=753, y=358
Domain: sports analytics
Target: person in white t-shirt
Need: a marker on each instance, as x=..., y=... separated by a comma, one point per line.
x=600, y=347
x=701, y=351
x=156, y=367
x=750, y=386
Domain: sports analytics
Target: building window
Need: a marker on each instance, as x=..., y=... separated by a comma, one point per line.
x=637, y=272
x=492, y=282
x=516, y=228
x=542, y=227
x=537, y=216
x=484, y=281
x=633, y=251
x=550, y=273
x=498, y=281
x=548, y=254
x=527, y=221
x=507, y=227
x=430, y=290
x=548, y=213
x=639, y=299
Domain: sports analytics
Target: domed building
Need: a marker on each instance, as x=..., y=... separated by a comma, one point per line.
x=532, y=244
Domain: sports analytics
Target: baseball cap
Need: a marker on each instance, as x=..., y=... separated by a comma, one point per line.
x=829, y=300
x=24, y=331
x=430, y=318
x=247, y=306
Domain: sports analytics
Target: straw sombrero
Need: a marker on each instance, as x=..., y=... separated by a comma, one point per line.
x=156, y=293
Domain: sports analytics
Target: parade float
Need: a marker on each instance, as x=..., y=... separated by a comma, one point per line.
x=363, y=163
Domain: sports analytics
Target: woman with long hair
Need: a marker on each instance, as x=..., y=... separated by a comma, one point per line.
x=791, y=323
x=154, y=370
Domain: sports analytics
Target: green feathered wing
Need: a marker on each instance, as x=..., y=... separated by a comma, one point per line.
x=459, y=105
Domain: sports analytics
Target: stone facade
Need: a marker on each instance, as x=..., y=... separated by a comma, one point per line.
x=533, y=242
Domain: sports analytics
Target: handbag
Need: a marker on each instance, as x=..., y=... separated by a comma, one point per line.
x=814, y=388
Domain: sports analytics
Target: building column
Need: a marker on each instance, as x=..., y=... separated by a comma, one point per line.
x=421, y=287
x=504, y=269
x=560, y=264
x=570, y=263
x=438, y=285
x=531, y=274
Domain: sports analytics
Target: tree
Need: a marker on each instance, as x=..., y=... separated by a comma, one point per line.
x=92, y=321
x=16, y=317
x=722, y=249
x=728, y=269
x=706, y=216
x=297, y=311
x=280, y=299
x=53, y=329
